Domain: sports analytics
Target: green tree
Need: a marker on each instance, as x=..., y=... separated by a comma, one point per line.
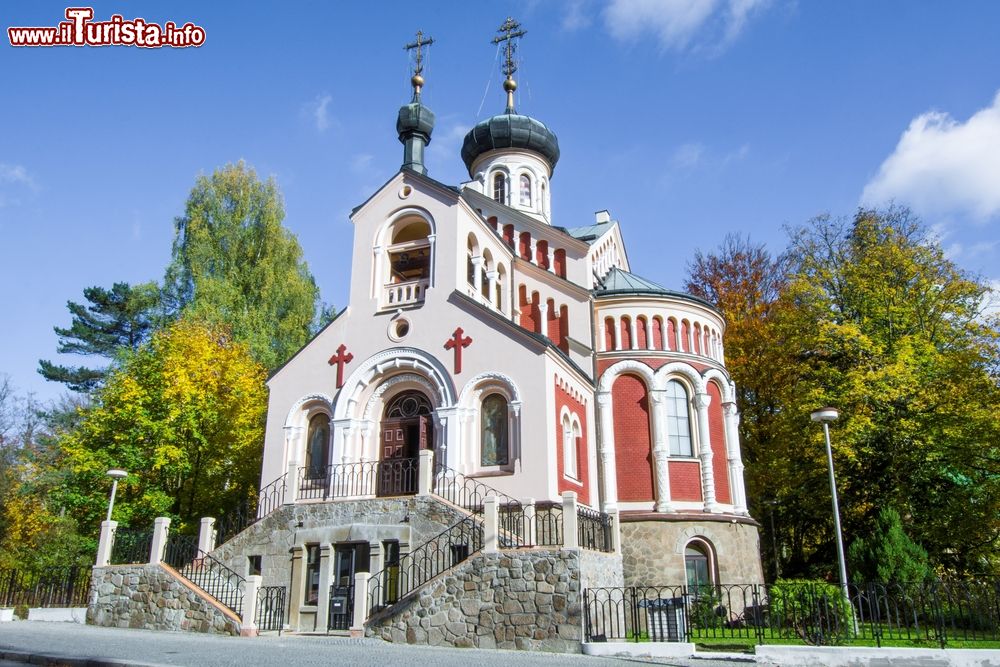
x=184, y=415
x=887, y=553
x=234, y=263
x=122, y=318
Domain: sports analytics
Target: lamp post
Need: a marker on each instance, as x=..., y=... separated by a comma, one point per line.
x=774, y=540
x=115, y=474
x=827, y=415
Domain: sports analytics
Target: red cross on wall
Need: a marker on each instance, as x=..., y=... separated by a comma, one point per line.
x=339, y=360
x=457, y=342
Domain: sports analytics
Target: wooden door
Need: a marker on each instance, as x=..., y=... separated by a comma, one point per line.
x=396, y=468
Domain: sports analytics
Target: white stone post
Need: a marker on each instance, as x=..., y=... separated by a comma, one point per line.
x=161, y=528
x=360, y=604
x=326, y=578
x=616, y=536
x=701, y=403
x=617, y=333
x=571, y=535
x=206, y=535
x=661, y=450
x=543, y=316
x=425, y=472
x=491, y=289
x=248, y=626
x=106, y=543
x=551, y=258
x=738, y=489
x=292, y=482
x=477, y=274
x=530, y=529
x=633, y=327
x=533, y=249
x=491, y=524
x=607, y=452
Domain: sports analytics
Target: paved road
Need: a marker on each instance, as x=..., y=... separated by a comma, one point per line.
x=146, y=647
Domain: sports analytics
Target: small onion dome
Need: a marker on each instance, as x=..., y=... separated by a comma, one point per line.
x=415, y=119
x=510, y=130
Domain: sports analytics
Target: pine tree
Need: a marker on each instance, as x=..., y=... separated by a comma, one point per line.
x=888, y=554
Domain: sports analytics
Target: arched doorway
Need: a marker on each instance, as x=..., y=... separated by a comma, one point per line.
x=407, y=428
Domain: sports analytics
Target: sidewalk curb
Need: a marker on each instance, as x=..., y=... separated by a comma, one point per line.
x=69, y=660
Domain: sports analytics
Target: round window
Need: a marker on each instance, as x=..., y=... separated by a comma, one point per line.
x=405, y=192
x=398, y=329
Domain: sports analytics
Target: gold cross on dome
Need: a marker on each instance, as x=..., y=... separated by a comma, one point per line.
x=510, y=30
x=421, y=42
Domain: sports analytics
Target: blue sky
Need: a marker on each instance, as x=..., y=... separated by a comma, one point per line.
x=687, y=119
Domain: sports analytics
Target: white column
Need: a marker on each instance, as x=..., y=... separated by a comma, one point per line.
x=491, y=524
x=206, y=535
x=450, y=449
x=326, y=564
x=616, y=535
x=106, y=543
x=292, y=483
x=701, y=402
x=341, y=440
x=491, y=278
x=248, y=626
x=477, y=274
x=432, y=239
x=606, y=451
x=690, y=338
x=571, y=535
x=533, y=244
x=661, y=451
x=514, y=430
x=618, y=333
x=635, y=339
x=293, y=439
x=649, y=334
x=161, y=527
x=543, y=316
x=551, y=259
x=378, y=276
x=360, y=604
x=738, y=488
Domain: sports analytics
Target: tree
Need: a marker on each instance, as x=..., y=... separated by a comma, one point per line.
x=184, y=415
x=887, y=554
x=872, y=318
x=121, y=318
x=234, y=263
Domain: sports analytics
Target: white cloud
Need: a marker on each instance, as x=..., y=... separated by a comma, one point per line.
x=576, y=16
x=319, y=111
x=361, y=162
x=942, y=166
x=688, y=155
x=16, y=174
x=682, y=24
x=696, y=155
x=991, y=302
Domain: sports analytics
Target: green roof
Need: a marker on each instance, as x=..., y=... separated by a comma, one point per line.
x=510, y=130
x=623, y=283
x=590, y=233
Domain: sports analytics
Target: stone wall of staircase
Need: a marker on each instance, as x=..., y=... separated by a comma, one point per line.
x=152, y=598
x=528, y=599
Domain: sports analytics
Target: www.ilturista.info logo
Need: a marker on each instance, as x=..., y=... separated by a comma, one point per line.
x=81, y=30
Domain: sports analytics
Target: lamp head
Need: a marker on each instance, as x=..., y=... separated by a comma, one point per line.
x=117, y=473
x=825, y=415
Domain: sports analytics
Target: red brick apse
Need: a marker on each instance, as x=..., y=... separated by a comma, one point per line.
x=633, y=445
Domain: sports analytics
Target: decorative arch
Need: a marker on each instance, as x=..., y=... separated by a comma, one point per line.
x=630, y=366
x=684, y=370
x=465, y=398
x=297, y=416
x=408, y=378
x=725, y=384
x=383, y=236
x=376, y=367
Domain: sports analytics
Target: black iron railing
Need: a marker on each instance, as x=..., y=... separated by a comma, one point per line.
x=594, y=530
x=937, y=612
x=549, y=524
x=180, y=550
x=250, y=511
x=216, y=579
x=272, y=604
x=131, y=546
x=442, y=552
x=394, y=477
x=466, y=492
x=51, y=587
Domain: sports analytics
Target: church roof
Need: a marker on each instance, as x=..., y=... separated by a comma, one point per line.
x=623, y=283
x=590, y=233
x=510, y=130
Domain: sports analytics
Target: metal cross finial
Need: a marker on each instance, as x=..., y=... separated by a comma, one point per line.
x=510, y=30
x=421, y=42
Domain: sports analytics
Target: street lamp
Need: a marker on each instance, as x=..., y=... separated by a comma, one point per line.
x=827, y=415
x=115, y=474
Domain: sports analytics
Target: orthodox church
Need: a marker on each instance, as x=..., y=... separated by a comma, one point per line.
x=513, y=351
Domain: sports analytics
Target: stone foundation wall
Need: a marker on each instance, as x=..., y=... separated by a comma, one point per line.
x=653, y=551
x=527, y=599
x=152, y=598
x=600, y=570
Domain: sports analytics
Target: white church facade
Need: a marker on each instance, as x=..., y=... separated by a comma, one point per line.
x=487, y=342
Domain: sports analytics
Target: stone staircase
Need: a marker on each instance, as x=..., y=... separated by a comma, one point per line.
x=216, y=580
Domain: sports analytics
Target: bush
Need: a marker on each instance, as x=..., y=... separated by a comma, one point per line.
x=815, y=611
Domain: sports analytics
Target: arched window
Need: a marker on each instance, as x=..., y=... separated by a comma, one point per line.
x=678, y=419
x=494, y=438
x=500, y=188
x=318, y=446
x=525, y=190
x=698, y=567
x=571, y=450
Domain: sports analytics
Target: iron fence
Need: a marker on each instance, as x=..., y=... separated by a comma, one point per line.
x=394, y=477
x=131, y=546
x=271, y=608
x=594, y=530
x=442, y=552
x=873, y=614
x=467, y=492
x=51, y=587
x=216, y=579
x=549, y=524
x=250, y=511
x=180, y=550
